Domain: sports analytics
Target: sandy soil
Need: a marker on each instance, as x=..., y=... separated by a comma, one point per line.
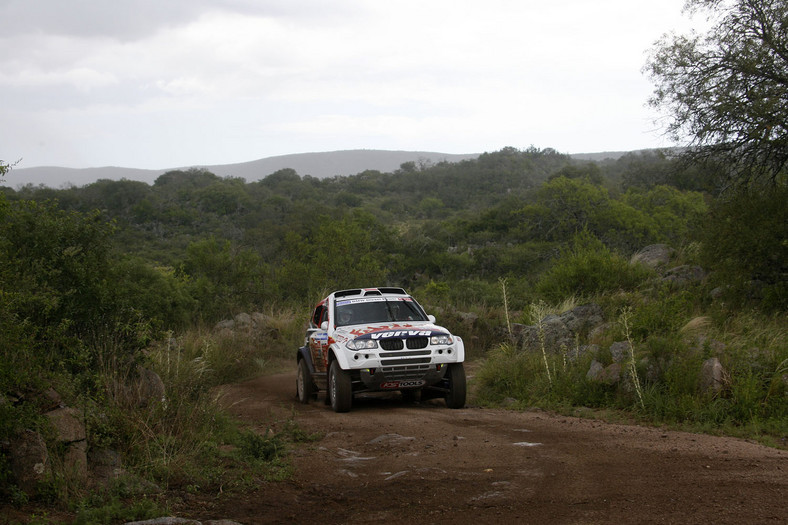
x=396, y=462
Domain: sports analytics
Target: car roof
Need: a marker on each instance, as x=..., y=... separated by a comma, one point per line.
x=362, y=292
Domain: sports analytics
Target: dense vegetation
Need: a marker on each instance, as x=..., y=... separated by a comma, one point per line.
x=101, y=278
x=101, y=284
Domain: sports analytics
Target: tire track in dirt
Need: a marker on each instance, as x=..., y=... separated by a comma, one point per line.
x=396, y=462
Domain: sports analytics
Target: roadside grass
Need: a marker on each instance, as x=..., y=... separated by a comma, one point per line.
x=670, y=336
x=184, y=442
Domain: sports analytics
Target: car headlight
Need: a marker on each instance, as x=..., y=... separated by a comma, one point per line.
x=361, y=344
x=441, y=340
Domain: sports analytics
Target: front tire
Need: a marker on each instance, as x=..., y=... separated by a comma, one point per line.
x=340, y=388
x=305, y=387
x=455, y=397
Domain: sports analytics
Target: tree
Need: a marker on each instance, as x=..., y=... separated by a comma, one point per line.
x=727, y=90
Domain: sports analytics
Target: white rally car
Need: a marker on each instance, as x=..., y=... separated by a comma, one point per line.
x=378, y=339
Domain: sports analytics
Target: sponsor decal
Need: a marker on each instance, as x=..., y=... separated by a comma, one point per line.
x=320, y=337
x=395, y=330
x=365, y=300
x=394, y=385
x=371, y=329
x=401, y=333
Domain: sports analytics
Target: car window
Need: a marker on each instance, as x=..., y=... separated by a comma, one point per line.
x=323, y=316
x=319, y=314
x=351, y=312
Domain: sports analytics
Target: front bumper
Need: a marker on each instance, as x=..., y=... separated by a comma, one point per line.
x=401, y=377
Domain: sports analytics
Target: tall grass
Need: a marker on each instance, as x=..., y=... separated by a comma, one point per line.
x=183, y=440
x=663, y=366
x=626, y=315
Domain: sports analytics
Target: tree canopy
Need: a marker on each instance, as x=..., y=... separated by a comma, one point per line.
x=726, y=91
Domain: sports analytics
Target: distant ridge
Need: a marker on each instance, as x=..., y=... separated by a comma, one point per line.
x=320, y=165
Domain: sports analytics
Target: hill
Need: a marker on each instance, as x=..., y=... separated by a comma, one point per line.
x=321, y=165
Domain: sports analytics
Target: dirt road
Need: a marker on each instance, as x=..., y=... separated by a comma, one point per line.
x=388, y=461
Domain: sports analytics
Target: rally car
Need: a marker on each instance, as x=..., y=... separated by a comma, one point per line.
x=377, y=340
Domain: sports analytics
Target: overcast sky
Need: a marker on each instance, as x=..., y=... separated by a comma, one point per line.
x=167, y=83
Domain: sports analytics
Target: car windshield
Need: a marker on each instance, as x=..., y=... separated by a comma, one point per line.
x=377, y=310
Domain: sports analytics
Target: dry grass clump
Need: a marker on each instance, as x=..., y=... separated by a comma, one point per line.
x=696, y=325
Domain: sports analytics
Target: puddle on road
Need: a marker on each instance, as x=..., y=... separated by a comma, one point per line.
x=526, y=444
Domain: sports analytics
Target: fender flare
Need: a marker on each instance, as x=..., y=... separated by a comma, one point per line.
x=303, y=353
x=460, y=349
x=338, y=354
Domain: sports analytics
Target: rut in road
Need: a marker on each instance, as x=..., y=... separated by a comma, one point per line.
x=388, y=460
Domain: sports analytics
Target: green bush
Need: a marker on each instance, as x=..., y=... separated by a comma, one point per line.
x=745, y=242
x=588, y=268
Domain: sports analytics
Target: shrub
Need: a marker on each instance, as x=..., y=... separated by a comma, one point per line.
x=745, y=242
x=588, y=268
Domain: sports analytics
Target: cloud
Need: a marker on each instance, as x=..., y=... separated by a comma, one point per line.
x=214, y=81
x=128, y=20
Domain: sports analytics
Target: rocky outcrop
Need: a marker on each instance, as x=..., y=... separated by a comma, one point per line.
x=29, y=460
x=149, y=387
x=654, y=256
x=560, y=331
x=34, y=459
x=619, y=351
x=610, y=374
x=68, y=425
x=683, y=275
x=105, y=466
x=712, y=376
x=70, y=435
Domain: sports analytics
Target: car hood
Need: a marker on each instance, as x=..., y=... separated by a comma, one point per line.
x=388, y=330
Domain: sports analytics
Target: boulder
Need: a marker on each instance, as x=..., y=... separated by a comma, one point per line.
x=712, y=376
x=594, y=370
x=67, y=423
x=75, y=461
x=243, y=320
x=29, y=460
x=260, y=319
x=52, y=400
x=611, y=374
x=684, y=275
x=227, y=324
x=598, y=372
x=150, y=388
x=560, y=330
x=620, y=351
x=653, y=256
x=105, y=466
x=582, y=318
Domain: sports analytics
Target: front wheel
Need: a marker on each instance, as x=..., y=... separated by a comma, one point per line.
x=340, y=388
x=305, y=388
x=455, y=397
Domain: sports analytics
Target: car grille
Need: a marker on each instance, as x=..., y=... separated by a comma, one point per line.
x=417, y=342
x=413, y=343
x=391, y=344
x=405, y=365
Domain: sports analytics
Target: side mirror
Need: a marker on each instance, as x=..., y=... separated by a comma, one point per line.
x=431, y=318
x=324, y=325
